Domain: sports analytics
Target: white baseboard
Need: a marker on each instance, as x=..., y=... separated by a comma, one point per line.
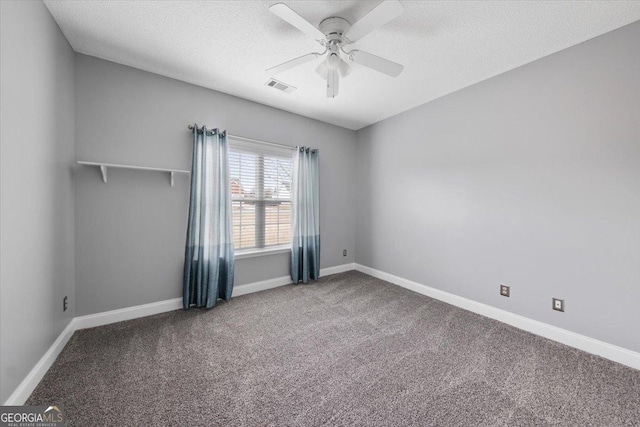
x=26, y=387
x=590, y=345
x=286, y=280
x=33, y=378
x=260, y=286
x=128, y=313
x=337, y=269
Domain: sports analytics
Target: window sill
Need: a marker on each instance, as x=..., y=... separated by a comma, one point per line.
x=251, y=253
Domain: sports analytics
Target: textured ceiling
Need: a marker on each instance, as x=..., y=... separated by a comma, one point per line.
x=227, y=45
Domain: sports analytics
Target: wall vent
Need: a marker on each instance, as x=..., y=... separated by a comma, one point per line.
x=276, y=84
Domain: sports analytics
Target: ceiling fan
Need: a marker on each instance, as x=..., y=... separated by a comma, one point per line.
x=334, y=33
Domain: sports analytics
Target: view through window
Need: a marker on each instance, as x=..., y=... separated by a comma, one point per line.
x=260, y=195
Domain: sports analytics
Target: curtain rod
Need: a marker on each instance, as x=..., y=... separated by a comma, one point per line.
x=192, y=128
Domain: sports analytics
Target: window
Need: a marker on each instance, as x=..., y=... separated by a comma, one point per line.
x=260, y=194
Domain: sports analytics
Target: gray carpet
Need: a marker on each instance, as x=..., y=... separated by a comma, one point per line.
x=348, y=350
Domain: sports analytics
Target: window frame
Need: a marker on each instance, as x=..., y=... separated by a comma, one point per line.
x=261, y=150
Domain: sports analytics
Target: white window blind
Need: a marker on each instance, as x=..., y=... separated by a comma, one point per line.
x=260, y=194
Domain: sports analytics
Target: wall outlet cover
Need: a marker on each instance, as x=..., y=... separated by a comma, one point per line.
x=505, y=290
x=558, y=304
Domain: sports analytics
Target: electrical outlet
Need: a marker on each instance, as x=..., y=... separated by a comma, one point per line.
x=344, y=252
x=64, y=304
x=558, y=304
x=505, y=290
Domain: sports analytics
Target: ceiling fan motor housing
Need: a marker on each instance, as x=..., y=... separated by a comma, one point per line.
x=333, y=28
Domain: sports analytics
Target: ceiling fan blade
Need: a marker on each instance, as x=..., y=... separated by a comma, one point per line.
x=332, y=84
x=323, y=70
x=344, y=68
x=292, y=63
x=383, y=13
x=287, y=14
x=374, y=62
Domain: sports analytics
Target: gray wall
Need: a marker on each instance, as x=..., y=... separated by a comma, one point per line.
x=530, y=179
x=130, y=232
x=36, y=226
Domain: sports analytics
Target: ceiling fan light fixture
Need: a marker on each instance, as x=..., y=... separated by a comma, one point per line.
x=344, y=69
x=333, y=61
x=322, y=70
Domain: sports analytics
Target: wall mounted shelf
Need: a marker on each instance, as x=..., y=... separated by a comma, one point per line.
x=104, y=166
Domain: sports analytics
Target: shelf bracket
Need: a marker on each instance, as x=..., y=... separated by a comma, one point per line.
x=172, y=175
x=103, y=169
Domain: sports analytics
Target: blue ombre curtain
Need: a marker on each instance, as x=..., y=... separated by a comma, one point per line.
x=305, y=250
x=209, y=259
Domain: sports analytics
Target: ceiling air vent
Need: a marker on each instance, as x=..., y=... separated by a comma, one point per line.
x=280, y=85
